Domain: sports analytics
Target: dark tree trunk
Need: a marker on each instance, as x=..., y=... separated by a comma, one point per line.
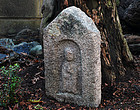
x=115, y=53
x=116, y=56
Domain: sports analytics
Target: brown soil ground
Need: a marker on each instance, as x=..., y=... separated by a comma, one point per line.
x=123, y=95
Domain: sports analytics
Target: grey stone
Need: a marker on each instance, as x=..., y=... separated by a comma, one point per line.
x=132, y=39
x=11, y=27
x=47, y=8
x=124, y=4
x=7, y=43
x=72, y=58
x=47, y=11
x=2, y=56
x=129, y=11
x=37, y=50
x=26, y=35
x=16, y=15
x=135, y=48
x=133, y=43
x=25, y=47
x=16, y=8
x=132, y=14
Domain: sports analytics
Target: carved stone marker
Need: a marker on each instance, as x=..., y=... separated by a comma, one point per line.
x=72, y=58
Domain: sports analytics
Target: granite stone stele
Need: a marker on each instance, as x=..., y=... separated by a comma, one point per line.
x=72, y=58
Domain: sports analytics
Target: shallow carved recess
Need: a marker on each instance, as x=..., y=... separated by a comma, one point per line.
x=69, y=57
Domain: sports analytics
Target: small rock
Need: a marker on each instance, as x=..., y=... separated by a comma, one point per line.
x=26, y=35
x=133, y=43
x=2, y=56
x=135, y=48
x=47, y=11
x=7, y=43
x=132, y=39
x=24, y=47
x=37, y=50
x=124, y=4
x=132, y=14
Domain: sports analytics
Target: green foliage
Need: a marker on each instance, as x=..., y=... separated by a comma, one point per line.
x=10, y=84
x=108, y=3
x=117, y=2
x=38, y=107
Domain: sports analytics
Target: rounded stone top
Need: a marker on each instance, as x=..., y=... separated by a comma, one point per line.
x=75, y=14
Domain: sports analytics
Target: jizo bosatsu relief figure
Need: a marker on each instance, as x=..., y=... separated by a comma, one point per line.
x=72, y=59
x=69, y=72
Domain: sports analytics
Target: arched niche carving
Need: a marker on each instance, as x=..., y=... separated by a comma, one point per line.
x=69, y=57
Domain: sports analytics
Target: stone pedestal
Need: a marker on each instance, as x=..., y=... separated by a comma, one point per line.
x=16, y=15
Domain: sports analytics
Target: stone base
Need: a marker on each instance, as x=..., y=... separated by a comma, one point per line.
x=13, y=26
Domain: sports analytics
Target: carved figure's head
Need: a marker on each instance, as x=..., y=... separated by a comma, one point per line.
x=69, y=54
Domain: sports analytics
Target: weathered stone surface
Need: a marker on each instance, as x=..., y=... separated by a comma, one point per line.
x=72, y=58
x=132, y=14
x=27, y=35
x=129, y=11
x=133, y=43
x=16, y=15
x=47, y=11
x=47, y=8
x=2, y=56
x=13, y=26
x=24, y=34
x=135, y=48
x=36, y=51
x=132, y=39
x=7, y=43
x=25, y=47
x=124, y=4
x=16, y=8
